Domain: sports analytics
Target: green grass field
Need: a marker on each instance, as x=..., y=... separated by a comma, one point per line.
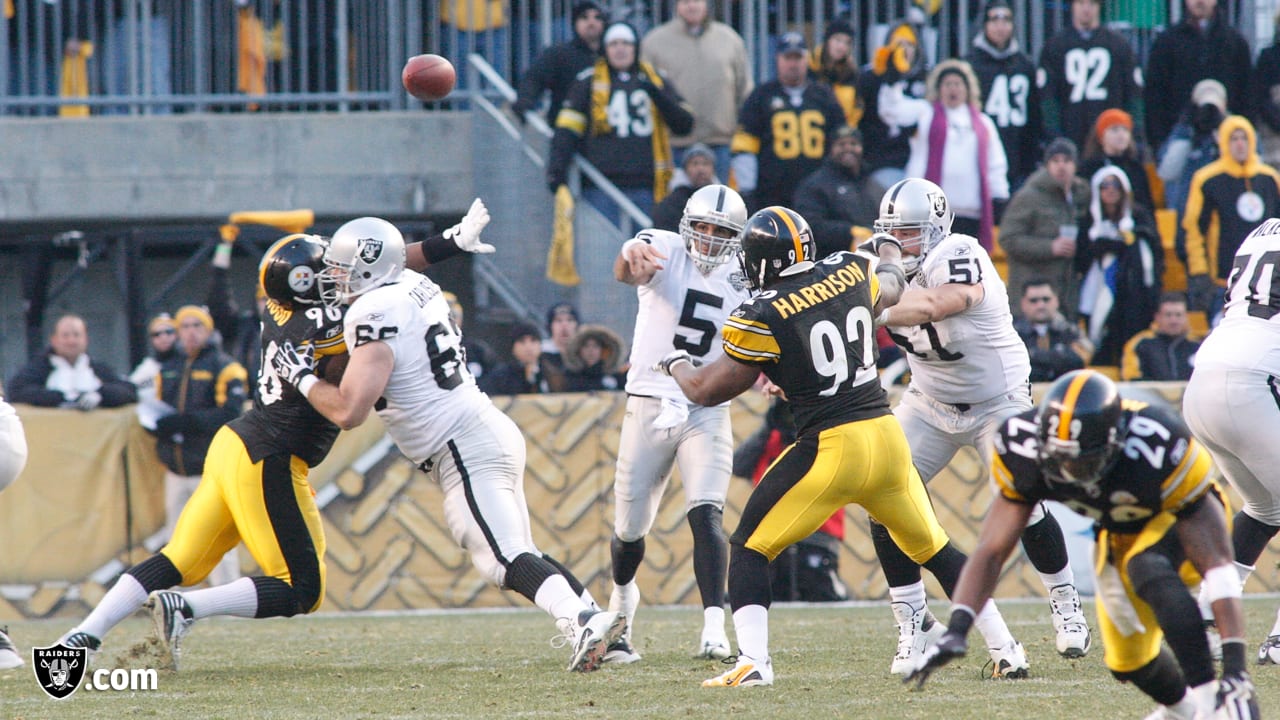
x=830, y=661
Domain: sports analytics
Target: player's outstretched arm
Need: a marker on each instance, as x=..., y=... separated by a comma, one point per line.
x=638, y=261
x=712, y=384
x=346, y=405
x=922, y=305
x=461, y=238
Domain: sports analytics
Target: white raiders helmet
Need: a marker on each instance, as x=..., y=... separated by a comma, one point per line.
x=363, y=254
x=915, y=204
x=721, y=206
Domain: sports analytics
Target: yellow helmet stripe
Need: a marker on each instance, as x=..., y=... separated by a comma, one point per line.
x=782, y=213
x=1069, y=403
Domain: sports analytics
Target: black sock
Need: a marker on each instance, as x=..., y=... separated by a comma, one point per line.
x=156, y=573
x=1044, y=544
x=1161, y=679
x=1249, y=537
x=748, y=578
x=710, y=553
x=899, y=570
x=626, y=559
x=526, y=574
x=946, y=565
x=574, y=584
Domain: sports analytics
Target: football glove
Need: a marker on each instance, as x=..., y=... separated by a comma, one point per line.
x=89, y=400
x=466, y=234
x=294, y=365
x=1237, y=699
x=880, y=238
x=950, y=646
x=676, y=356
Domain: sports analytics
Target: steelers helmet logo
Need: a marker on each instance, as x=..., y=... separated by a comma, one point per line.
x=301, y=279
x=369, y=250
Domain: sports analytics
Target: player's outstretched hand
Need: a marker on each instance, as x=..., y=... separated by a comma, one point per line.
x=643, y=258
x=466, y=234
x=950, y=646
x=293, y=365
x=675, y=356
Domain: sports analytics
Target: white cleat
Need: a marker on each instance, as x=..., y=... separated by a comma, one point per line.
x=173, y=618
x=84, y=640
x=917, y=630
x=1268, y=651
x=1074, y=638
x=714, y=648
x=620, y=652
x=9, y=657
x=594, y=631
x=746, y=672
x=1009, y=661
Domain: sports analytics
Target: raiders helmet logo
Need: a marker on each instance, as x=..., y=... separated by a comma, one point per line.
x=369, y=250
x=939, y=205
x=301, y=279
x=59, y=669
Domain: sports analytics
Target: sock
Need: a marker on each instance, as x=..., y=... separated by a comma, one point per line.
x=558, y=599
x=239, y=598
x=710, y=553
x=991, y=624
x=751, y=623
x=626, y=559
x=713, y=621
x=912, y=595
x=122, y=600
x=1053, y=580
x=574, y=582
x=1046, y=549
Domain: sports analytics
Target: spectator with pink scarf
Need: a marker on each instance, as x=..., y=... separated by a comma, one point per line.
x=956, y=146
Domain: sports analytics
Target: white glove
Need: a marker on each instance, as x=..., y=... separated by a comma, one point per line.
x=89, y=400
x=466, y=234
x=676, y=356
x=294, y=366
x=879, y=239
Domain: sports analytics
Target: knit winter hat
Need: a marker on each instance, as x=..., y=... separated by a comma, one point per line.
x=1110, y=117
x=838, y=26
x=585, y=6
x=1061, y=146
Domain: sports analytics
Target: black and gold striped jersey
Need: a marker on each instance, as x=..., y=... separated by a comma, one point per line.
x=812, y=334
x=1159, y=468
x=281, y=419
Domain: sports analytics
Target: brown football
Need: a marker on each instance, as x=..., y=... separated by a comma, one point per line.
x=333, y=367
x=428, y=77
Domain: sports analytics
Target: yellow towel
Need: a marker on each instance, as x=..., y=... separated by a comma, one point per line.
x=560, y=267
x=8, y=9
x=251, y=70
x=75, y=76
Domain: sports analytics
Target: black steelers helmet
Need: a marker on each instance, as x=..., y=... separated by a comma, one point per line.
x=773, y=240
x=1082, y=426
x=290, y=269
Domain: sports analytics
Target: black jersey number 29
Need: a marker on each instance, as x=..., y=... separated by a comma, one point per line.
x=704, y=329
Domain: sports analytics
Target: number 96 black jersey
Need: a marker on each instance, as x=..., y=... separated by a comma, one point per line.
x=812, y=334
x=1159, y=468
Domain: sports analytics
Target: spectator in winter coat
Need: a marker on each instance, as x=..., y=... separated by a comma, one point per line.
x=1227, y=200
x=707, y=60
x=629, y=143
x=1054, y=344
x=955, y=146
x=1165, y=351
x=1011, y=99
x=558, y=66
x=899, y=64
x=838, y=199
x=832, y=64
x=1111, y=143
x=1121, y=260
x=1202, y=45
x=1039, y=229
x=64, y=375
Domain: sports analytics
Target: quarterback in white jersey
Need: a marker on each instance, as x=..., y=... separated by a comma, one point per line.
x=13, y=457
x=969, y=371
x=1232, y=402
x=686, y=288
x=407, y=361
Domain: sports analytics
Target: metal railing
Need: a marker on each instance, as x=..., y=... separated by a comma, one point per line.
x=166, y=56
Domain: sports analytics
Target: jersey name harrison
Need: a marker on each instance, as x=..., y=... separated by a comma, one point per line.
x=806, y=297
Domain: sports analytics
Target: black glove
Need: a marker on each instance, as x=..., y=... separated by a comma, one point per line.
x=676, y=356
x=293, y=365
x=1237, y=699
x=1199, y=292
x=171, y=425
x=950, y=646
x=518, y=109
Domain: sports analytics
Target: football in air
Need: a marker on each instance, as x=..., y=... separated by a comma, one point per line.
x=428, y=77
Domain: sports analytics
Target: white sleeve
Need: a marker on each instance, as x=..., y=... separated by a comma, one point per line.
x=745, y=170
x=997, y=161
x=898, y=109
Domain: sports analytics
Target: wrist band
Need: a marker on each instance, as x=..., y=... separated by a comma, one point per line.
x=307, y=382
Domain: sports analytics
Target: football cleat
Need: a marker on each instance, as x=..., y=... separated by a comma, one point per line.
x=1268, y=651
x=1074, y=638
x=173, y=618
x=746, y=672
x=620, y=652
x=917, y=630
x=9, y=657
x=84, y=640
x=594, y=631
x=625, y=599
x=714, y=644
x=1009, y=662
